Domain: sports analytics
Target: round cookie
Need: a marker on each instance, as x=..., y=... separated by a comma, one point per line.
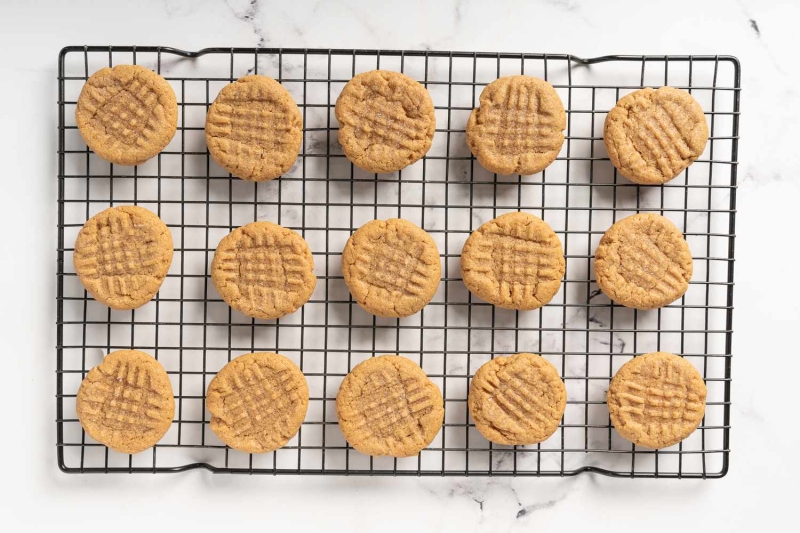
x=656, y=400
x=386, y=120
x=257, y=402
x=127, y=114
x=254, y=129
x=643, y=262
x=518, y=128
x=391, y=267
x=388, y=406
x=122, y=256
x=652, y=135
x=126, y=401
x=514, y=261
x=517, y=400
x=264, y=270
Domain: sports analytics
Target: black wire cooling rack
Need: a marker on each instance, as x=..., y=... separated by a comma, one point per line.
x=193, y=333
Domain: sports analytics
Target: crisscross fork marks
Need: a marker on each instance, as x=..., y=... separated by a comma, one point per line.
x=659, y=140
x=390, y=405
x=125, y=399
x=125, y=111
x=521, y=124
x=517, y=265
x=263, y=267
x=259, y=125
x=669, y=403
x=125, y=249
x=123, y=253
x=388, y=125
x=256, y=401
x=393, y=263
x=520, y=399
x=645, y=265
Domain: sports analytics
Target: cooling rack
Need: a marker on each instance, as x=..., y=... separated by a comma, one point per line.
x=193, y=333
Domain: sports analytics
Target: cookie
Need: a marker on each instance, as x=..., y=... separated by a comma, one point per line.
x=652, y=135
x=388, y=406
x=122, y=256
x=391, y=267
x=254, y=129
x=517, y=400
x=518, y=128
x=264, y=270
x=257, y=402
x=126, y=401
x=386, y=120
x=656, y=400
x=514, y=261
x=643, y=262
x=127, y=114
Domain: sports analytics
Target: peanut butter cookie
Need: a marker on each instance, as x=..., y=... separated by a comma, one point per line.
x=386, y=120
x=127, y=114
x=264, y=270
x=257, y=402
x=643, y=262
x=656, y=400
x=391, y=267
x=518, y=128
x=122, y=256
x=254, y=129
x=126, y=401
x=652, y=135
x=514, y=261
x=517, y=400
x=388, y=406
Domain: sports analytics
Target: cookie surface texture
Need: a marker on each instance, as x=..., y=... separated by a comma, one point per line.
x=519, y=126
x=257, y=402
x=126, y=401
x=391, y=267
x=386, y=120
x=122, y=256
x=264, y=270
x=517, y=400
x=514, y=261
x=254, y=129
x=656, y=400
x=643, y=262
x=652, y=135
x=127, y=114
x=388, y=406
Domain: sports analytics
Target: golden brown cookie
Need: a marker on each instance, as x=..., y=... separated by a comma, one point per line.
x=652, y=135
x=514, y=261
x=254, y=129
x=517, y=400
x=122, y=256
x=643, y=262
x=127, y=114
x=386, y=120
x=388, y=406
x=656, y=400
x=126, y=401
x=257, y=402
x=518, y=128
x=264, y=270
x=391, y=267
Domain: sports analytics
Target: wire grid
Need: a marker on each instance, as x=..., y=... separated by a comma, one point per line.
x=193, y=333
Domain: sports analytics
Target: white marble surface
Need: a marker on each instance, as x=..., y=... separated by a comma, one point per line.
x=756, y=493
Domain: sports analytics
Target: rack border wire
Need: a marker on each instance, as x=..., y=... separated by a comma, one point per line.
x=314, y=437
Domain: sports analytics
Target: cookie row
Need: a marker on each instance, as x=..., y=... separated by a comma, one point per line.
x=386, y=405
x=254, y=129
x=392, y=267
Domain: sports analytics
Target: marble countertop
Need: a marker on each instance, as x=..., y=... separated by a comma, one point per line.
x=756, y=492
